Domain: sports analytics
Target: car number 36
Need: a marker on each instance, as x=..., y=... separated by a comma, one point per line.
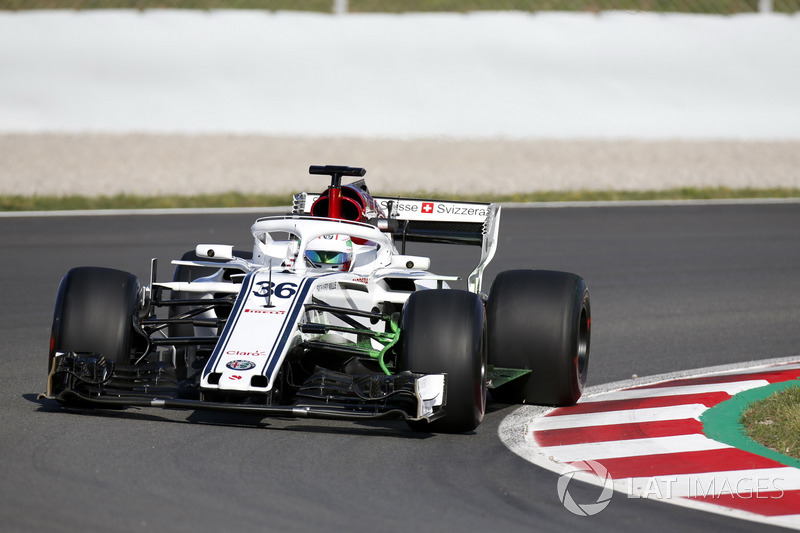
x=282, y=290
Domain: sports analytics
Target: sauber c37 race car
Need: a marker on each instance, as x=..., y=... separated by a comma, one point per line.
x=326, y=319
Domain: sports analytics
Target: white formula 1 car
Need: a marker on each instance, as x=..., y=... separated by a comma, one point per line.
x=326, y=319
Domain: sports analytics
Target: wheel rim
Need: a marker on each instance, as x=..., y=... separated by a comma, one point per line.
x=582, y=354
x=483, y=388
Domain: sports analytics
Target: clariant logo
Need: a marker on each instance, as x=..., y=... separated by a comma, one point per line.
x=591, y=508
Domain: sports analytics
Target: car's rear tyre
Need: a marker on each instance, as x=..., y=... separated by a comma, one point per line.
x=444, y=331
x=94, y=313
x=191, y=273
x=187, y=366
x=540, y=320
x=186, y=273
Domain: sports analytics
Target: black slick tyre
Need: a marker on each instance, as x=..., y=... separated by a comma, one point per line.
x=184, y=357
x=191, y=273
x=94, y=313
x=186, y=364
x=540, y=320
x=186, y=273
x=444, y=332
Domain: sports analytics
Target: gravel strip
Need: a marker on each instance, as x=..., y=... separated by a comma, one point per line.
x=148, y=164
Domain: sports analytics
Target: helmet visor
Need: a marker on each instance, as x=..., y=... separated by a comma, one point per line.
x=324, y=257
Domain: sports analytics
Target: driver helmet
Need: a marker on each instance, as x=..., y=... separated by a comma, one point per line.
x=330, y=252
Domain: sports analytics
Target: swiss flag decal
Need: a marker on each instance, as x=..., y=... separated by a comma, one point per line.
x=427, y=207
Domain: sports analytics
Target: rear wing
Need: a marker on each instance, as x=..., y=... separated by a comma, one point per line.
x=438, y=221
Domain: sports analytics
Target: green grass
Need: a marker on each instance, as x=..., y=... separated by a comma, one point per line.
x=323, y=6
x=129, y=201
x=237, y=199
x=690, y=6
x=399, y=6
x=775, y=422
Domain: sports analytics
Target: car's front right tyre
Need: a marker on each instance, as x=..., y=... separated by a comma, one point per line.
x=94, y=314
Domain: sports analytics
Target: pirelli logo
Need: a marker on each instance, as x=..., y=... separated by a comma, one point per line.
x=265, y=311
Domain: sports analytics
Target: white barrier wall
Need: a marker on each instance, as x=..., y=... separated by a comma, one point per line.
x=480, y=75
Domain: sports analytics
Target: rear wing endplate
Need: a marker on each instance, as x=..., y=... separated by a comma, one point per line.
x=447, y=222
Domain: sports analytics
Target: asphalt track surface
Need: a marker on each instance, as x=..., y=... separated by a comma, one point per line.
x=673, y=288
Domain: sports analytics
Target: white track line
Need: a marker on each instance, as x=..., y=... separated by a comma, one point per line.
x=652, y=414
x=732, y=387
x=633, y=447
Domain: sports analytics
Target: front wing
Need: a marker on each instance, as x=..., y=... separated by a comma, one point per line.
x=91, y=380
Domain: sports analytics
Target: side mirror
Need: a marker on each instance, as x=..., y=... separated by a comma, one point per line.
x=215, y=251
